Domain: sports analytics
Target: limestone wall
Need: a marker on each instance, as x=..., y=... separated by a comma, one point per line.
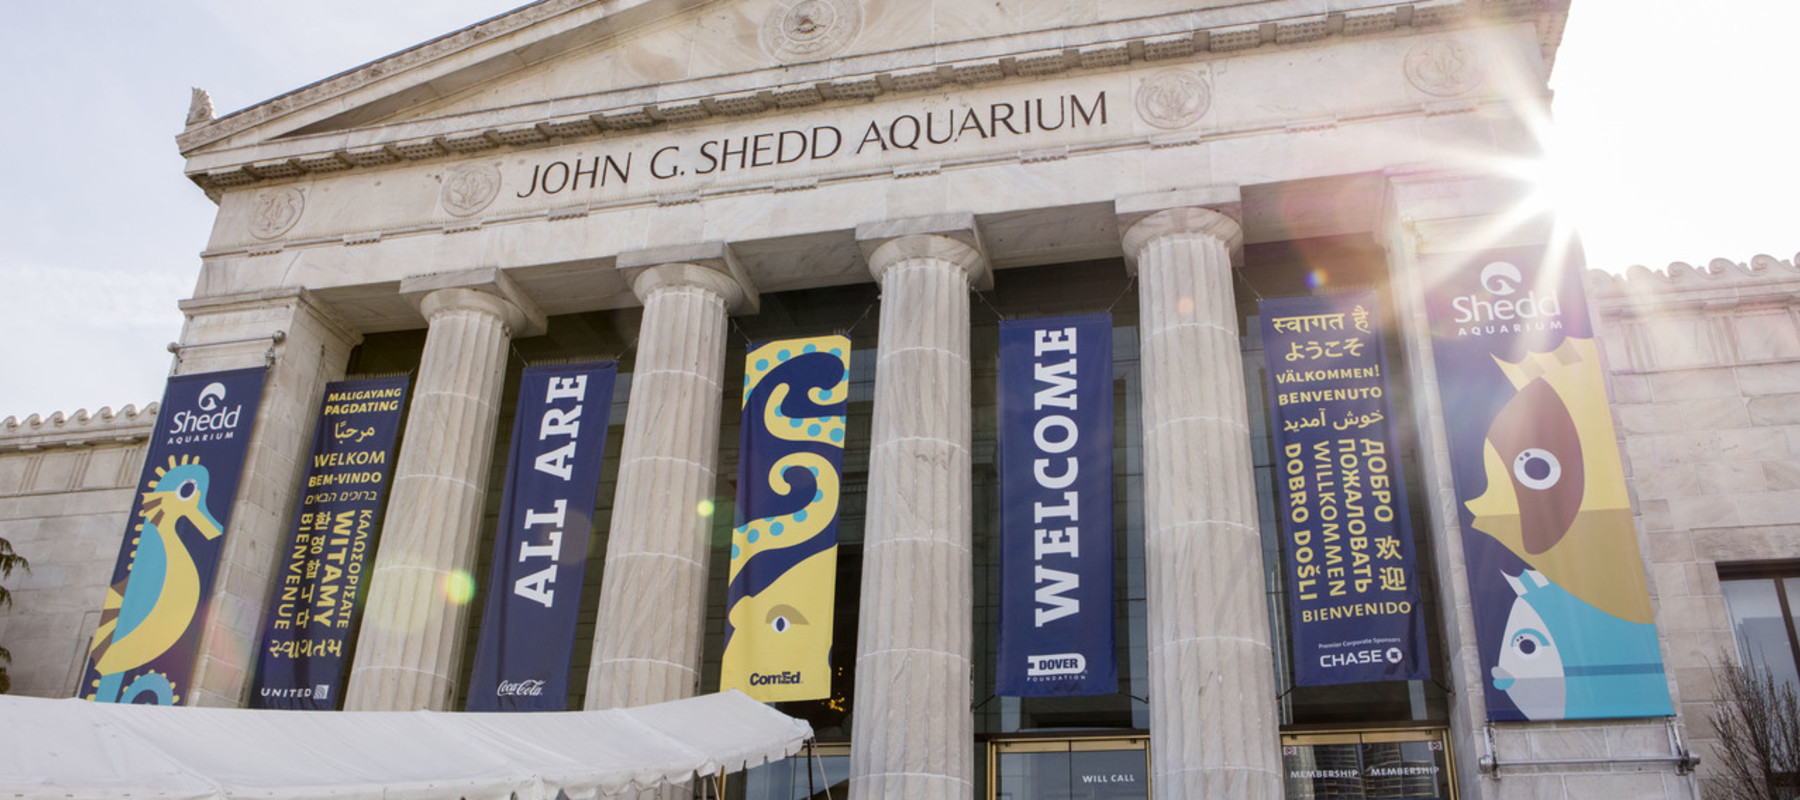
x=66, y=486
x=1705, y=382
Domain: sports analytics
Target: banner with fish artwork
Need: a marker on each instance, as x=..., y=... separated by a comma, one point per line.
x=1352, y=582
x=1561, y=603
x=155, y=606
x=783, y=576
x=314, y=607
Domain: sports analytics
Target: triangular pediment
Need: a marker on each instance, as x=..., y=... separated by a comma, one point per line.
x=572, y=69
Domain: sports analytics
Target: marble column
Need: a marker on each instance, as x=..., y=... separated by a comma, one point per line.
x=652, y=610
x=913, y=732
x=1213, y=730
x=311, y=350
x=410, y=648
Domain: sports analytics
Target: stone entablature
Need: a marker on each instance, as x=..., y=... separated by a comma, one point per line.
x=218, y=162
x=127, y=425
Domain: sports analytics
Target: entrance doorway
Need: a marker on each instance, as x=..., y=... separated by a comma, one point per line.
x=1069, y=769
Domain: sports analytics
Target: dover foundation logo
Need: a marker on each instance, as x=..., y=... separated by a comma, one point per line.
x=1056, y=665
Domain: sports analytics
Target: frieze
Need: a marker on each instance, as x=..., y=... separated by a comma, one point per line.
x=469, y=188
x=1444, y=66
x=274, y=211
x=1173, y=98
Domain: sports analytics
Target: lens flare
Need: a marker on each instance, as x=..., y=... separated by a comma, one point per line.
x=704, y=508
x=459, y=587
x=1184, y=306
x=1315, y=279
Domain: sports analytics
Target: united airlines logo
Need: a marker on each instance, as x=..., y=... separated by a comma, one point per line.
x=1055, y=665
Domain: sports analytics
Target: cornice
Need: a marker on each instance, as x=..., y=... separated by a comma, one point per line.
x=744, y=96
x=130, y=424
x=1722, y=283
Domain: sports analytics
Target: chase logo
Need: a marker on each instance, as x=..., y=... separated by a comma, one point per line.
x=1501, y=278
x=1394, y=655
x=1054, y=665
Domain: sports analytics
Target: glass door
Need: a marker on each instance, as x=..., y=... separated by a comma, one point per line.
x=1368, y=765
x=1069, y=769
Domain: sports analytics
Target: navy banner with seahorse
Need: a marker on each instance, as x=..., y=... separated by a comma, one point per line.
x=783, y=575
x=143, y=652
x=315, y=603
x=1556, y=579
x=1056, y=508
x=540, y=552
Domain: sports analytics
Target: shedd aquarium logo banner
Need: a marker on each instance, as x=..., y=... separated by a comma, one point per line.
x=1499, y=307
x=1561, y=603
x=214, y=416
x=155, y=606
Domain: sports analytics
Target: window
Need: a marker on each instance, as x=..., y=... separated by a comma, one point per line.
x=1761, y=601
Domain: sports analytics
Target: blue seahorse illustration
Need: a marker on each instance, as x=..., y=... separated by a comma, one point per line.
x=148, y=612
x=1562, y=658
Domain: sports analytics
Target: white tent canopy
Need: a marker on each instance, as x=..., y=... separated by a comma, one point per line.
x=75, y=749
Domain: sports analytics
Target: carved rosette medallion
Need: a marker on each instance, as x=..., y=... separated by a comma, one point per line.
x=469, y=188
x=274, y=211
x=1173, y=98
x=1443, y=66
x=800, y=30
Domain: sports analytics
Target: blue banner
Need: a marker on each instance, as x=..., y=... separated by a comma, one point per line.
x=1556, y=579
x=318, y=587
x=1352, y=580
x=1056, y=555
x=540, y=553
x=150, y=623
x=782, y=585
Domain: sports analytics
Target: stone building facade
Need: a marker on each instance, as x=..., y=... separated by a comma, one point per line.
x=659, y=182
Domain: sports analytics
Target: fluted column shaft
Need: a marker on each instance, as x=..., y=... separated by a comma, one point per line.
x=913, y=731
x=408, y=653
x=652, y=609
x=1213, y=732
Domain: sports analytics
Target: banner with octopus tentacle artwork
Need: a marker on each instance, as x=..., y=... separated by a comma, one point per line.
x=155, y=607
x=783, y=575
x=1556, y=578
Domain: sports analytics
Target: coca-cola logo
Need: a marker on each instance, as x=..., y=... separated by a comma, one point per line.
x=525, y=688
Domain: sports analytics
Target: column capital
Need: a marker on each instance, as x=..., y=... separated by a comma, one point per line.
x=709, y=265
x=487, y=289
x=1209, y=212
x=946, y=237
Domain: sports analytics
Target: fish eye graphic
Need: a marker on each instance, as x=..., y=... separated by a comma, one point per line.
x=1528, y=642
x=1501, y=278
x=210, y=396
x=187, y=490
x=784, y=617
x=1537, y=468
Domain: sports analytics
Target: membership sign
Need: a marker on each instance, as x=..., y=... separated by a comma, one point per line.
x=1353, y=589
x=313, y=611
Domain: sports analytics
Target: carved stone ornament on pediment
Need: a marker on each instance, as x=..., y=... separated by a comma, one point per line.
x=1443, y=66
x=799, y=30
x=469, y=188
x=274, y=211
x=1173, y=98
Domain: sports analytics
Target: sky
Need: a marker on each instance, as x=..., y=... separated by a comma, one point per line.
x=1674, y=140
